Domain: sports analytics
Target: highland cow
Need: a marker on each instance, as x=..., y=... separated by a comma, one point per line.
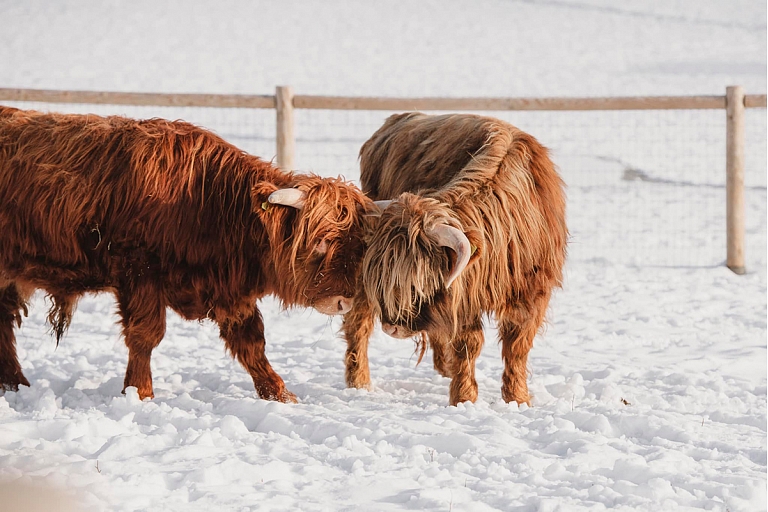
x=165, y=214
x=475, y=226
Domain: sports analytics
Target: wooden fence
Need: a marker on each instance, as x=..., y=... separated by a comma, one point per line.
x=734, y=103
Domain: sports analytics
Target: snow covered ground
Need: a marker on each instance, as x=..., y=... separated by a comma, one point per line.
x=649, y=382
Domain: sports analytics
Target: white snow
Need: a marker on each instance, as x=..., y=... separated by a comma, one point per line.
x=649, y=382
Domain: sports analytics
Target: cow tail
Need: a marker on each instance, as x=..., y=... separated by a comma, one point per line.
x=60, y=314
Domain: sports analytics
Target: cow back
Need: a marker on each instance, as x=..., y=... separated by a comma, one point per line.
x=418, y=153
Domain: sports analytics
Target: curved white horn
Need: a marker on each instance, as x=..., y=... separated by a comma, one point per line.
x=454, y=239
x=381, y=205
x=288, y=197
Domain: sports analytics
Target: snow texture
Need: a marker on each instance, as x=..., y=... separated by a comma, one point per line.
x=649, y=381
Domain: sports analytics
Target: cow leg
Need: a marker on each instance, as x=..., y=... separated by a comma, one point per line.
x=245, y=341
x=517, y=329
x=441, y=356
x=466, y=348
x=142, y=308
x=358, y=326
x=12, y=304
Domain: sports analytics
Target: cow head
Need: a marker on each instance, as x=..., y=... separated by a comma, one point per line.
x=413, y=265
x=318, y=241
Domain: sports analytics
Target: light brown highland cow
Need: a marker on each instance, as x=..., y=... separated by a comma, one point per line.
x=476, y=226
x=165, y=214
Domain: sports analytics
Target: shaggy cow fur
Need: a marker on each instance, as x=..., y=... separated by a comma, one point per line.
x=497, y=185
x=164, y=214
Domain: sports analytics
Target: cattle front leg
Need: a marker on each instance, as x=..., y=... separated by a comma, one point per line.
x=517, y=329
x=466, y=348
x=12, y=304
x=245, y=341
x=441, y=355
x=358, y=326
x=142, y=311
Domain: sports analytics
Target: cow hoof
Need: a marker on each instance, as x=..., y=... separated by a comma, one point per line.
x=14, y=386
x=469, y=395
x=4, y=388
x=359, y=382
x=282, y=395
x=520, y=398
x=143, y=393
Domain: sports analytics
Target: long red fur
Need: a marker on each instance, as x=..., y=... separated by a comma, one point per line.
x=498, y=185
x=162, y=214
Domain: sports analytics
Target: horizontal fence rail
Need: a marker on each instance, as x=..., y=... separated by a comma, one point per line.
x=378, y=103
x=140, y=98
x=498, y=104
x=284, y=102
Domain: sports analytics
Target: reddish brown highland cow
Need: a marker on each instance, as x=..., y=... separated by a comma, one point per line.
x=476, y=226
x=165, y=214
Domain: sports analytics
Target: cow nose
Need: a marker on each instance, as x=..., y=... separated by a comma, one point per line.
x=337, y=305
x=389, y=329
x=343, y=306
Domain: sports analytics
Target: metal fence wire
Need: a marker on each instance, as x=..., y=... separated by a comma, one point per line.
x=645, y=187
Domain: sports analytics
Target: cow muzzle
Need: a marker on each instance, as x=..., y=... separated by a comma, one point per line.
x=396, y=331
x=337, y=305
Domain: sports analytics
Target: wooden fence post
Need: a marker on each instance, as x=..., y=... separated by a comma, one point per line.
x=734, y=182
x=285, y=140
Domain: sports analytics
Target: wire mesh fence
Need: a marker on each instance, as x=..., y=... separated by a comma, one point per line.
x=645, y=187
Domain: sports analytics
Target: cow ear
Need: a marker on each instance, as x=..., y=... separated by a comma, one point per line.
x=259, y=194
x=476, y=242
x=320, y=247
x=378, y=207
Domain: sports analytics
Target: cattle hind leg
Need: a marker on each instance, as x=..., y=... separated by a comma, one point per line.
x=517, y=329
x=12, y=305
x=142, y=308
x=244, y=339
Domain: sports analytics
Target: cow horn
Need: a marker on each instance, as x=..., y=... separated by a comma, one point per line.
x=381, y=205
x=455, y=239
x=288, y=197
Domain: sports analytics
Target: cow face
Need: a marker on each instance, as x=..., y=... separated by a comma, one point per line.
x=324, y=245
x=414, y=256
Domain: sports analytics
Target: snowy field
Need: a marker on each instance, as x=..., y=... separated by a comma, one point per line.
x=649, y=383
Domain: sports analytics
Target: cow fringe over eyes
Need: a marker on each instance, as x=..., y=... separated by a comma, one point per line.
x=504, y=195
